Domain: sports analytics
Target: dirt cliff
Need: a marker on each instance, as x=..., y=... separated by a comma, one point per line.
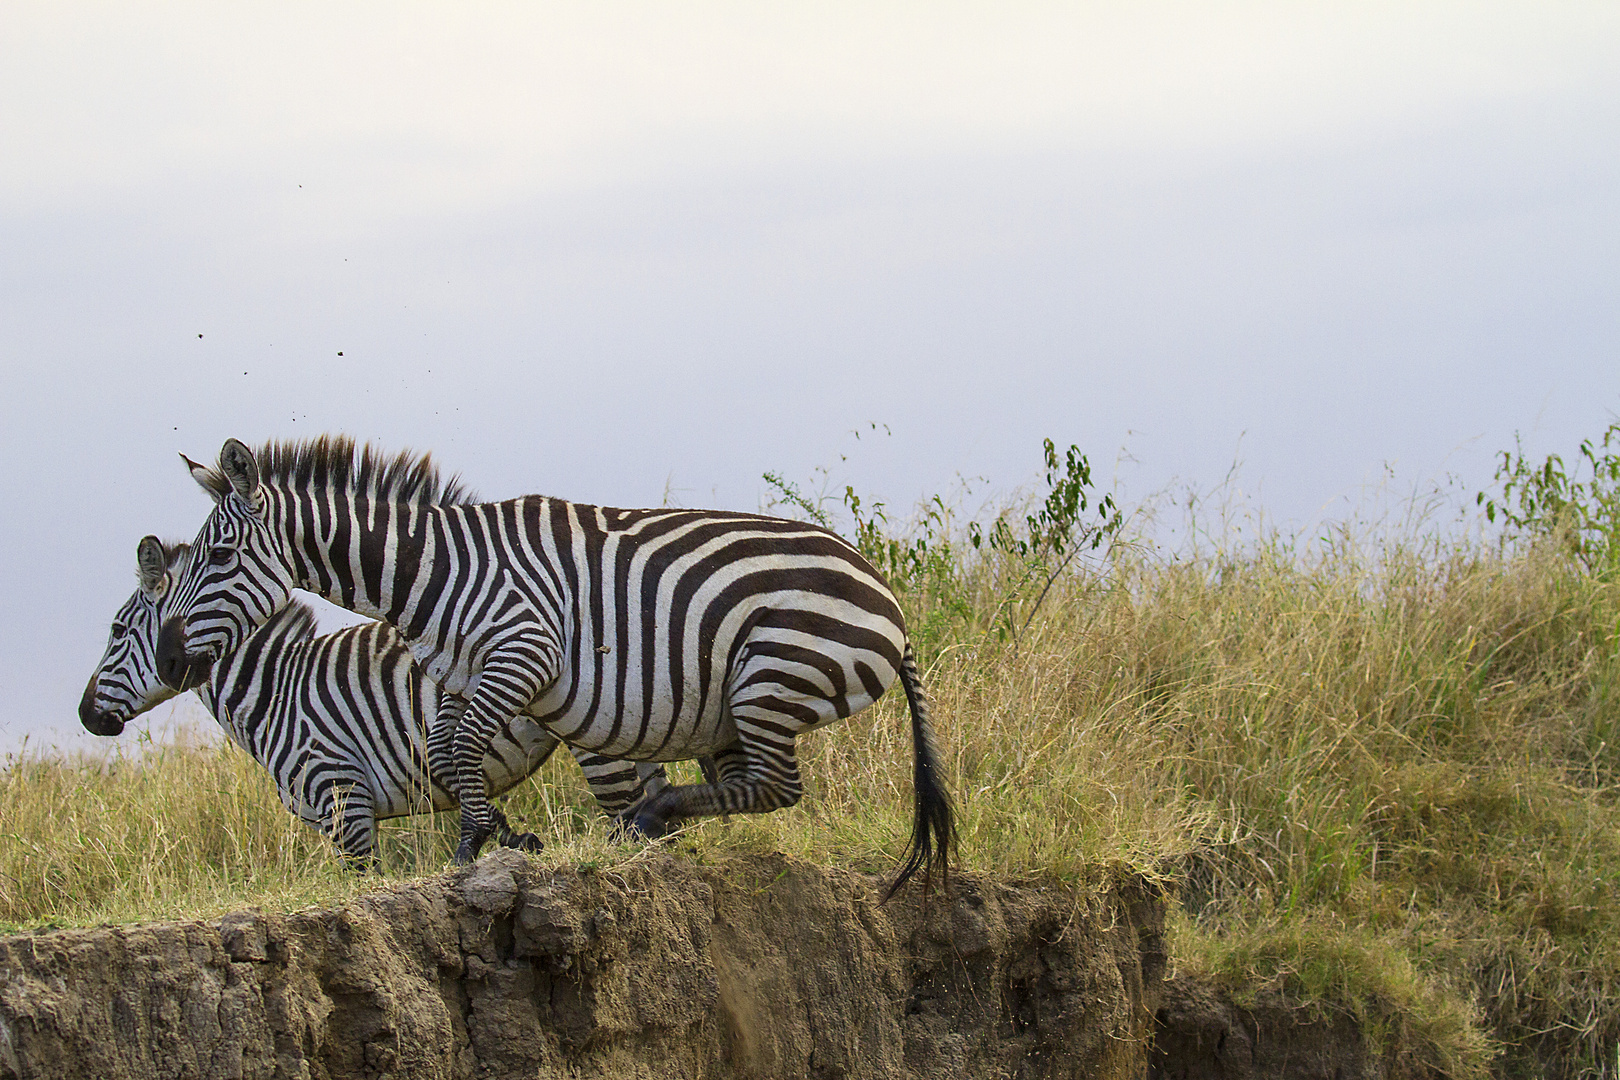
x=665, y=968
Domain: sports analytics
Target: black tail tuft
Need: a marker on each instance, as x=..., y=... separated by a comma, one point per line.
x=933, y=827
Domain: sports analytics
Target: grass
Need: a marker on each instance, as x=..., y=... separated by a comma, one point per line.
x=1380, y=769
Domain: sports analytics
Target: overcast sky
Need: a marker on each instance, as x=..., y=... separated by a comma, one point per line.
x=612, y=251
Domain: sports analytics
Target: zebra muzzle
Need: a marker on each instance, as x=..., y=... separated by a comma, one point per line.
x=94, y=720
x=179, y=669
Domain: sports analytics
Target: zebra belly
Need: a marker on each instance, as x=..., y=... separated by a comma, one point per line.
x=659, y=731
x=401, y=796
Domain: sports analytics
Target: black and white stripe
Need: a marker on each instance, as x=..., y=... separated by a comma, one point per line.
x=652, y=635
x=341, y=720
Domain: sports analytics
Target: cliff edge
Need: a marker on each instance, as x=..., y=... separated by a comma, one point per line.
x=764, y=966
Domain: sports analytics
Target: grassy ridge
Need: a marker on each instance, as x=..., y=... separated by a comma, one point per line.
x=1381, y=775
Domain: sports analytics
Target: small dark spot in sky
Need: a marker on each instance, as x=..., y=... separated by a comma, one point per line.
x=199, y=335
x=340, y=352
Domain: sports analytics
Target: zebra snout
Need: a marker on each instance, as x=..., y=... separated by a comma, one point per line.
x=175, y=666
x=94, y=720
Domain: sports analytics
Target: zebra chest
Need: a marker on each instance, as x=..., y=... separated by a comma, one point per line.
x=453, y=650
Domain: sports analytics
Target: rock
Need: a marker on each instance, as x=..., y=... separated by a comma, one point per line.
x=491, y=885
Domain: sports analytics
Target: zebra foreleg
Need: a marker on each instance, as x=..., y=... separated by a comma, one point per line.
x=506, y=837
x=331, y=797
x=510, y=679
x=441, y=741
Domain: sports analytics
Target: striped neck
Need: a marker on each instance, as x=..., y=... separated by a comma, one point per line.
x=350, y=548
x=241, y=680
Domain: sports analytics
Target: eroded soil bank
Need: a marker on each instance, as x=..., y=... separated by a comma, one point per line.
x=755, y=967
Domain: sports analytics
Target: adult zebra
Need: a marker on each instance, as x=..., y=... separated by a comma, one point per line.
x=339, y=720
x=650, y=635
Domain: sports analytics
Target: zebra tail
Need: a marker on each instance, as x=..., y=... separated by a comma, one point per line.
x=933, y=827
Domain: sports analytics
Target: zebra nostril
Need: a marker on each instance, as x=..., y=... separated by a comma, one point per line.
x=94, y=720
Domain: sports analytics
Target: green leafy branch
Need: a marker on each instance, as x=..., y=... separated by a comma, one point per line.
x=1056, y=531
x=789, y=494
x=1547, y=500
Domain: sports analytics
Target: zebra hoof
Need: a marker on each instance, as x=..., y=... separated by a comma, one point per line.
x=467, y=851
x=647, y=826
x=525, y=841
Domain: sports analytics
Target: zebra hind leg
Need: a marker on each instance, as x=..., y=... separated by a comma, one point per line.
x=754, y=777
x=622, y=787
x=617, y=784
x=628, y=823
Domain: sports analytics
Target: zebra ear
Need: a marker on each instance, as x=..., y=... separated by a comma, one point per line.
x=237, y=465
x=152, y=565
x=208, y=479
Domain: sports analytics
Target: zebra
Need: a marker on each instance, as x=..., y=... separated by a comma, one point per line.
x=649, y=635
x=338, y=720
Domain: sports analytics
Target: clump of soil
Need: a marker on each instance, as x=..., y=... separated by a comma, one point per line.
x=763, y=966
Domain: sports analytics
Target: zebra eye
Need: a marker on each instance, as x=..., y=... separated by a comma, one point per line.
x=221, y=555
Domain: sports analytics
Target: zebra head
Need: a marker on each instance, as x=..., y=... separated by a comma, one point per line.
x=236, y=579
x=126, y=683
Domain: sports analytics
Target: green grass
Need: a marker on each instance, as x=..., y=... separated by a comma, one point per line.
x=1379, y=769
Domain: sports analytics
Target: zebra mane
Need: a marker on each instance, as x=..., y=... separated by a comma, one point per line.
x=336, y=463
x=295, y=622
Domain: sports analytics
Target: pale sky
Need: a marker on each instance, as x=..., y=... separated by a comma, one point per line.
x=606, y=252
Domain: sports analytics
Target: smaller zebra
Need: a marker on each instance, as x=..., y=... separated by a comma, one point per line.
x=338, y=719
